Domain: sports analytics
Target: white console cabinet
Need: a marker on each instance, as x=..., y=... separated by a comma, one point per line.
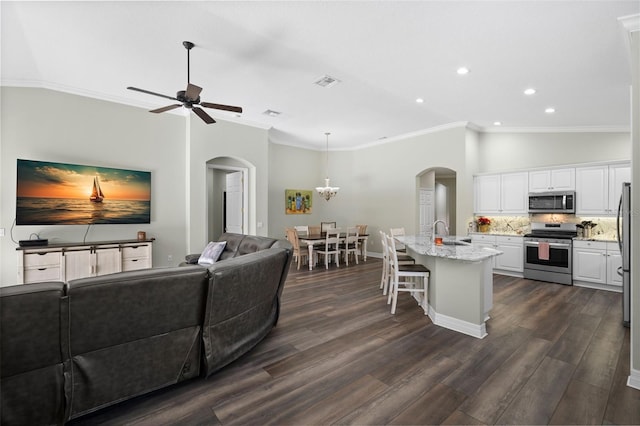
x=69, y=261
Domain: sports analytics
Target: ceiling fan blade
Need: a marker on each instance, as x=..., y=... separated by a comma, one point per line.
x=192, y=92
x=205, y=117
x=223, y=107
x=167, y=108
x=151, y=93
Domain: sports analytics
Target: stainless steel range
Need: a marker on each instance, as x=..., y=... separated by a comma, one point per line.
x=547, y=252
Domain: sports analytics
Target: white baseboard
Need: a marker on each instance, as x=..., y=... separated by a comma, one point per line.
x=470, y=329
x=634, y=379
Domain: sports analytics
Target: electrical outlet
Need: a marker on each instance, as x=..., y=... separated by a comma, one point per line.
x=1, y=232
x=170, y=258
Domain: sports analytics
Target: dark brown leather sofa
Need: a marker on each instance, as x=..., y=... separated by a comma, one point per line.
x=68, y=349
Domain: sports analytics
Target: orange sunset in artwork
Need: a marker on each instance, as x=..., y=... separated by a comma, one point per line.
x=77, y=194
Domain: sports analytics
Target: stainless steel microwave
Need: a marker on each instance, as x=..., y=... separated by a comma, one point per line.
x=552, y=202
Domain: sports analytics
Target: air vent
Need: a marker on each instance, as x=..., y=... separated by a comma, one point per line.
x=272, y=113
x=327, y=81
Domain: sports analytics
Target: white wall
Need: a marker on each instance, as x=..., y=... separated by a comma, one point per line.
x=516, y=151
x=225, y=139
x=45, y=125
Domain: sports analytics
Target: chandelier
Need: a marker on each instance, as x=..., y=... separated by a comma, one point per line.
x=327, y=191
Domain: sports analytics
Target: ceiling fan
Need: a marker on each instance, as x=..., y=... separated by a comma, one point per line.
x=189, y=98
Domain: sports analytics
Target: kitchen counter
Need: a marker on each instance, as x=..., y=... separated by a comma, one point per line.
x=460, y=282
x=453, y=247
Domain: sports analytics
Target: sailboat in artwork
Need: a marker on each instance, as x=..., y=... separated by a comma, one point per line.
x=96, y=194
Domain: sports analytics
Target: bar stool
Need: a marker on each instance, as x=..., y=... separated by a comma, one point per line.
x=403, y=259
x=407, y=272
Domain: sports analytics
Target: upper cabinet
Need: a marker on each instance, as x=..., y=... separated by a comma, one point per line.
x=552, y=180
x=598, y=188
x=504, y=193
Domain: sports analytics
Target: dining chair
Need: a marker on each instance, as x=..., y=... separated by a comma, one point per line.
x=403, y=259
x=350, y=244
x=330, y=247
x=324, y=226
x=302, y=229
x=362, y=230
x=314, y=230
x=398, y=232
x=299, y=251
x=401, y=278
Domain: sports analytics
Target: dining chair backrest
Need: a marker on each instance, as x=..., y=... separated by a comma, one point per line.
x=324, y=226
x=292, y=236
x=351, y=237
x=314, y=230
x=302, y=229
x=362, y=229
x=397, y=232
x=332, y=237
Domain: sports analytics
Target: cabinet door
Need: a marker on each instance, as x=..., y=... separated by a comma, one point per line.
x=590, y=265
x=618, y=173
x=487, y=194
x=481, y=241
x=77, y=264
x=512, y=257
x=108, y=260
x=513, y=193
x=592, y=190
x=563, y=179
x=539, y=181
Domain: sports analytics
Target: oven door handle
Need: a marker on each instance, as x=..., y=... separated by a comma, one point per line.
x=535, y=243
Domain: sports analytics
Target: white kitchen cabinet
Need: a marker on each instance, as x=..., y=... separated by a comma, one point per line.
x=504, y=193
x=618, y=173
x=487, y=194
x=598, y=188
x=552, y=180
x=512, y=257
x=596, y=262
x=66, y=262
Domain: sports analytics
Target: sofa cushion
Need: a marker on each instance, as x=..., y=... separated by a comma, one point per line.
x=252, y=244
x=32, y=359
x=133, y=332
x=211, y=253
x=233, y=243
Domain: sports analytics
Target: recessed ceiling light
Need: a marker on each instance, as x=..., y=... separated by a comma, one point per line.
x=419, y=100
x=550, y=110
x=530, y=91
x=463, y=70
x=497, y=123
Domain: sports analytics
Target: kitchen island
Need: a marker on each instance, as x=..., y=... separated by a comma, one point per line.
x=460, y=282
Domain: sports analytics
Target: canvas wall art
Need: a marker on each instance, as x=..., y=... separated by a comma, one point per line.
x=298, y=201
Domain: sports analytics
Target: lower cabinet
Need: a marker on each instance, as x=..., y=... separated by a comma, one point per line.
x=66, y=262
x=511, y=261
x=595, y=263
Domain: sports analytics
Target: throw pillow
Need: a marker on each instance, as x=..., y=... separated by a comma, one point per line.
x=211, y=253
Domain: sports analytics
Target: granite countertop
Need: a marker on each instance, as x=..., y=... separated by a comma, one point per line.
x=453, y=248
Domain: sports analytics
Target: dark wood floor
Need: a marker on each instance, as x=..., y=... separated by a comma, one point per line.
x=554, y=355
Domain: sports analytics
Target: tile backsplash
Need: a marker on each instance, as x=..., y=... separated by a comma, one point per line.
x=605, y=226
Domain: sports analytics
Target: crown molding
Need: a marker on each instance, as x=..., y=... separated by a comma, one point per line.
x=572, y=129
x=36, y=84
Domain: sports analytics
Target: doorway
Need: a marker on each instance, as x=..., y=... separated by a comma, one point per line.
x=227, y=197
x=436, y=200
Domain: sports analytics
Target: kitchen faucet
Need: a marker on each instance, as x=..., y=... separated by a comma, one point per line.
x=446, y=228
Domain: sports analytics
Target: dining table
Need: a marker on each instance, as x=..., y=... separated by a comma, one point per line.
x=317, y=239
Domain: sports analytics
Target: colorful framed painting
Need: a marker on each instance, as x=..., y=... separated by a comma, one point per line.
x=298, y=201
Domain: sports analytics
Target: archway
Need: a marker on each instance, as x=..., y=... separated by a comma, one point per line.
x=229, y=201
x=436, y=192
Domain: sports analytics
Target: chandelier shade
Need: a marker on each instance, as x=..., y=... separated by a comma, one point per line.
x=327, y=191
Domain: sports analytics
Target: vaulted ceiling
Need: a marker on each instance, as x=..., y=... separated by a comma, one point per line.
x=267, y=56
